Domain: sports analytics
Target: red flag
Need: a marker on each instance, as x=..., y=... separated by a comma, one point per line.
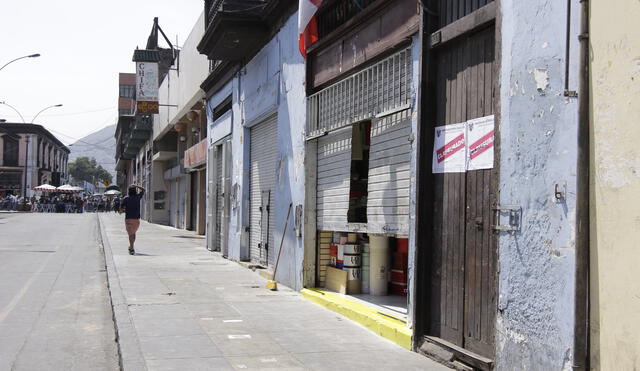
x=307, y=24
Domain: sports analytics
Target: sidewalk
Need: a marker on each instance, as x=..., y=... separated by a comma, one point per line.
x=178, y=306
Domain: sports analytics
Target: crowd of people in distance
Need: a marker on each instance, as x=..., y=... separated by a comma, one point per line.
x=62, y=203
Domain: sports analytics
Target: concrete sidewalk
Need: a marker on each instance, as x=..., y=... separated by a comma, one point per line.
x=178, y=306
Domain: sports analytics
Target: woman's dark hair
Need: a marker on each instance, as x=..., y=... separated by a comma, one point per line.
x=132, y=191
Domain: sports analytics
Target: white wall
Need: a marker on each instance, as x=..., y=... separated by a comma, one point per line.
x=181, y=86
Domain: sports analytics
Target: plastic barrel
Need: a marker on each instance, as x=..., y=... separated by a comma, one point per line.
x=379, y=264
x=352, y=249
x=352, y=260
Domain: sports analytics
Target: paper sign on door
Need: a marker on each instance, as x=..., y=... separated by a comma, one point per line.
x=480, y=138
x=449, y=150
x=464, y=146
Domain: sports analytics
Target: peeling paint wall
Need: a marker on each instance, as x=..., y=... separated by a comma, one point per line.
x=615, y=185
x=538, y=153
x=272, y=82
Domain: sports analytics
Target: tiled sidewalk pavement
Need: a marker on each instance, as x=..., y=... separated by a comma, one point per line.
x=181, y=307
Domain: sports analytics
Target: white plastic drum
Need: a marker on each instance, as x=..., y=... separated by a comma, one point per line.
x=352, y=249
x=379, y=264
x=353, y=274
x=352, y=260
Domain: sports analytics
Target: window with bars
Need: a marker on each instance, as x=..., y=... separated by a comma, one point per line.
x=382, y=87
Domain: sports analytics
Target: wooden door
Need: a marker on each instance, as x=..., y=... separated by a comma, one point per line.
x=462, y=294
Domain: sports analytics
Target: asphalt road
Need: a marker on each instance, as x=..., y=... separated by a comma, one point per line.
x=55, y=312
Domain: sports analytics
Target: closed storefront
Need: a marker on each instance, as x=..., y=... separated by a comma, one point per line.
x=361, y=126
x=219, y=192
x=263, y=149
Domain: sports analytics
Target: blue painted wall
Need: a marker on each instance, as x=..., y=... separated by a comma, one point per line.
x=538, y=149
x=272, y=82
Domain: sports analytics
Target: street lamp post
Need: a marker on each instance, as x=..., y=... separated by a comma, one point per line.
x=13, y=108
x=17, y=59
x=26, y=171
x=42, y=110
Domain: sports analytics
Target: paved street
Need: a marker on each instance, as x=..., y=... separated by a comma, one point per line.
x=54, y=304
x=177, y=306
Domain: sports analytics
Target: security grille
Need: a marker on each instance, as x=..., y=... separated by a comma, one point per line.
x=382, y=87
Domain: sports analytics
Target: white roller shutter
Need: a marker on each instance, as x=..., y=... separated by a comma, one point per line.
x=389, y=174
x=262, y=180
x=334, y=169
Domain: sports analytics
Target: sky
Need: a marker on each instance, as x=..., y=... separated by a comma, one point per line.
x=83, y=44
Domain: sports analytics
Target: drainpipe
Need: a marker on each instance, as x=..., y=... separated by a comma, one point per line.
x=581, y=329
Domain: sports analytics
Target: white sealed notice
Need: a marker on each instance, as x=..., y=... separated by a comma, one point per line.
x=480, y=139
x=449, y=149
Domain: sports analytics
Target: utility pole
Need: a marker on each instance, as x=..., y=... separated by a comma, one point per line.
x=26, y=171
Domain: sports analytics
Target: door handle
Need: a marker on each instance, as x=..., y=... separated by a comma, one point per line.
x=479, y=223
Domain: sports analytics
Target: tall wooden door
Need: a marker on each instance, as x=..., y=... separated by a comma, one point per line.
x=462, y=294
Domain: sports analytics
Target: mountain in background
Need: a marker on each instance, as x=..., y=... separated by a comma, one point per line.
x=100, y=145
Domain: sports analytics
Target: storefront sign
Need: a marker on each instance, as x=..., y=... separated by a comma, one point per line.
x=147, y=87
x=449, y=150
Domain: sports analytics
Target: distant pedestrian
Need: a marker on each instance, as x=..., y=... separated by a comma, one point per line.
x=116, y=204
x=131, y=206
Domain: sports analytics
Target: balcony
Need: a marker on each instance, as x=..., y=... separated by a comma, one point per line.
x=140, y=133
x=196, y=156
x=234, y=29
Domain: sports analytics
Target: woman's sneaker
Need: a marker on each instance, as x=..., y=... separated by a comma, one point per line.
x=132, y=251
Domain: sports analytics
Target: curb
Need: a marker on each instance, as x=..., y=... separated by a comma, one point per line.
x=385, y=325
x=129, y=352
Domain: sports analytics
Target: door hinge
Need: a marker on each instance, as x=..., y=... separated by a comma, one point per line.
x=513, y=212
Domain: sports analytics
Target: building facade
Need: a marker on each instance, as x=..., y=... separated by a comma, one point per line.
x=614, y=186
x=179, y=141
x=425, y=158
x=30, y=156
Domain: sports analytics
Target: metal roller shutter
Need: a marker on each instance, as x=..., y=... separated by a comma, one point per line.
x=389, y=174
x=219, y=197
x=182, y=193
x=262, y=188
x=334, y=167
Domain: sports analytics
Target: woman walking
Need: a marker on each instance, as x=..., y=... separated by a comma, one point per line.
x=131, y=206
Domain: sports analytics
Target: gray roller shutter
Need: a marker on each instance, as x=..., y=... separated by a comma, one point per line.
x=262, y=188
x=389, y=174
x=173, y=203
x=182, y=193
x=219, y=198
x=334, y=168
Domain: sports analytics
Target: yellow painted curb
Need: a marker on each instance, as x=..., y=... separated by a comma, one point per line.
x=383, y=324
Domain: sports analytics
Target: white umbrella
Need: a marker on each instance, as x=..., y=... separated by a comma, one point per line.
x=112, y=192
x=67, y=188
x=45, y=188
